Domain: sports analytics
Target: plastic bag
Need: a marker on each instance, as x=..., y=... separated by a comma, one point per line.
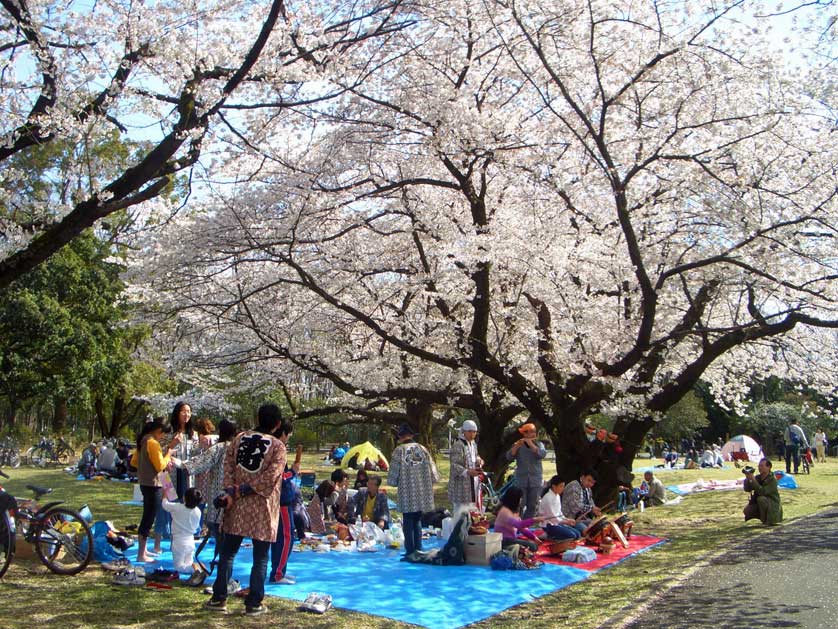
x=396, y=535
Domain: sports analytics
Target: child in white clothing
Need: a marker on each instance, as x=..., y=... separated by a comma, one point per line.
x=186, y=517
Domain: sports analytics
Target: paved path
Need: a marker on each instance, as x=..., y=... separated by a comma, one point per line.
x=785, y=578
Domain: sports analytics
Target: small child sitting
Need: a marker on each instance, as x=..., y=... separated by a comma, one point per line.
x=186, y=517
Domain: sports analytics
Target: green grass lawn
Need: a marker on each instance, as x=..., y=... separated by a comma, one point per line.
x=697, y=528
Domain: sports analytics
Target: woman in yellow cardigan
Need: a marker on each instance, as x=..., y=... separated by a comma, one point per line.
x=149, y=460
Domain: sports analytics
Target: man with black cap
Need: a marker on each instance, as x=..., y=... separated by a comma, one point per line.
x=413, y=472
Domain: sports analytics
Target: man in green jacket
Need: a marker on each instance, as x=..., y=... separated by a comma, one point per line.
x=765, y=497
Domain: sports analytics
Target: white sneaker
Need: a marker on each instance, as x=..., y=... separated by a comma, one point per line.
x=127, y=577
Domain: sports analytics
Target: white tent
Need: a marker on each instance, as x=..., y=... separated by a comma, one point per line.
x=740, y=442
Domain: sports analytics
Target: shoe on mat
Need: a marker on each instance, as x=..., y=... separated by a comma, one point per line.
x=216, y=605
x=197, y=579
x=287, y=580
x=323, y=603
x=116, y=565
x=127, y=577
x=233, y=586
x=255, y=611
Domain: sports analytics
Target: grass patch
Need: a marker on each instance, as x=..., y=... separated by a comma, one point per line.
x=700, y=526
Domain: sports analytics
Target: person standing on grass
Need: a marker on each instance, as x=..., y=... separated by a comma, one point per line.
x=820, y=445
x=413, y=472
x=466, y=469
x=211, y=463
x=281, y=548
x=253, y=467
x=794, y=439
x=528, y=453
x=150, y=461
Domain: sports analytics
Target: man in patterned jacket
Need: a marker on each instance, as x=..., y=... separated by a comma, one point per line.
x=253, y=467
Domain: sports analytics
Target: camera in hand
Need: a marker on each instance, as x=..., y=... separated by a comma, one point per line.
x=748, y=470
x=220, y=500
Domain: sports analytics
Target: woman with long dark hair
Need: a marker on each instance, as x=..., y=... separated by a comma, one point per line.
x=211, y=462
x=509, y=524
x=150, y=459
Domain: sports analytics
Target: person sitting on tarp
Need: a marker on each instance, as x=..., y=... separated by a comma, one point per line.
x=655, y=493
x=342, y=509
x=107, y=461
x=370, y=504
x=764, y=502
x=670, y=459
x=578, y=500
x=325, y=496
x=508, y=523
x=708, y=458
x=556, y=525
x=87, y=462
x=361, y=478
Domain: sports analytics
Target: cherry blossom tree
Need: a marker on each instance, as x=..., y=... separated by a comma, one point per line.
x=528, y=208
x=169, y=73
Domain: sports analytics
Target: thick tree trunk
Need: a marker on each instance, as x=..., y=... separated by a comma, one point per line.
x=59, y=416
x=11, y=414
x=99, y=412
x=420, y=416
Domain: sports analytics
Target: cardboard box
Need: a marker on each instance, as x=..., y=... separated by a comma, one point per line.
x=480, y=548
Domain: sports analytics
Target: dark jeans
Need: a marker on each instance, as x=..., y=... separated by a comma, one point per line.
x=152, y=500
x=229, y=547
x=412, y=525
x=281, y=548
x=526, y=543
x=561, y=531
x=792, y=452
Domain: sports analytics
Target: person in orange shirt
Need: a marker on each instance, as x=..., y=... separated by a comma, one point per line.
x=149, y=460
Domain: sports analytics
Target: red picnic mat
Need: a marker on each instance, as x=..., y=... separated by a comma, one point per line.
x=637, y=544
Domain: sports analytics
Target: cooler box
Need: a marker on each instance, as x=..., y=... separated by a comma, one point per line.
x=480, y=548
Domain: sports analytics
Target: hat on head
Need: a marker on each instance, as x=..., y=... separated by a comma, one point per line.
x=526, y=427
x=405, y=430
x=469, y=425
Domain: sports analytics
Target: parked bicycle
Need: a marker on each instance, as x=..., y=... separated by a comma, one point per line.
x=492, y=496
x=48, y=451
x=61, y=537
x=9, y=453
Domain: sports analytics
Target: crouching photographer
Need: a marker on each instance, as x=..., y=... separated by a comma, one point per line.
x=765, y=497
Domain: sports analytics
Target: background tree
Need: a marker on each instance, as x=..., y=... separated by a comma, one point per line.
x=167, y=71
x=511, y=215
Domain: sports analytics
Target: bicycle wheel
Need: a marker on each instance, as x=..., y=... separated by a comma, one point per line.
x=63, y=456
x=63, y=541
x=39, y=457
x=7, y=542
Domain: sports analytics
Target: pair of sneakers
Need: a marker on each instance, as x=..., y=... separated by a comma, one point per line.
x=317, y=603
x=128, y=577
x=221, y=606
x=121, y=563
